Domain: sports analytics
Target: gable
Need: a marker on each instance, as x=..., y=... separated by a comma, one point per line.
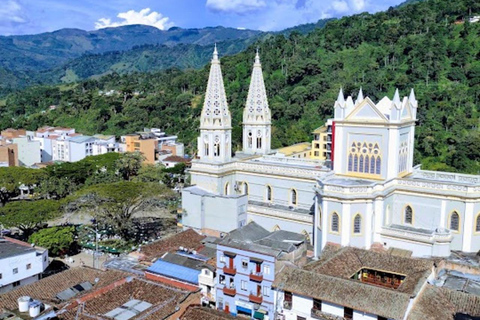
x=366, y=111
x=406, y=112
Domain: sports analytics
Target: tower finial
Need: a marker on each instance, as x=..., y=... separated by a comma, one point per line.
x=360, y=97
x=341, y=97
x=215, y=52
x=257, y=57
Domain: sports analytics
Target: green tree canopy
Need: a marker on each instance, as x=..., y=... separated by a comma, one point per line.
x=56, y=239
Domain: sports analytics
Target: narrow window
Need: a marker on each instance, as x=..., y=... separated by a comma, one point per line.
x=355, y=164
x=454, y=221
x=266, y=291
x=477, y=224
x=216, y=150
x=357, y=224
x=206, y=149
x=269, y=193
x=245, y=188
x=15, y=270
x=29, y=266
x=408, y=215
x=244, y=285
x=294, y=197
x=334, y=226
x=350, y=162
x=367, y=164
x=378, y=165
x=227, y=189
x=259, y=143
x=317, y=304
x=360, y=169
x=348, y=313
x=372, y=165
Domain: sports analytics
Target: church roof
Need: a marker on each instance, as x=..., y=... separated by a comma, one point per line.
x=256, y=109
x=215, y=112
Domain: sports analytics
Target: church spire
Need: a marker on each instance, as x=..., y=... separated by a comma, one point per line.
x=214, y=143
x=256, y=115
x=215, y=111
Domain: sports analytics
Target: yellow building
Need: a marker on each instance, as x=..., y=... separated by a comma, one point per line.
x=299, y=150
x=322, y=142
x=146, y=146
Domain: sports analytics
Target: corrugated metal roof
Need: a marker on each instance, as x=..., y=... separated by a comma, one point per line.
x=175, y=271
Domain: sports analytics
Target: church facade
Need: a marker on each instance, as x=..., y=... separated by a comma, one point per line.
x=367, y=192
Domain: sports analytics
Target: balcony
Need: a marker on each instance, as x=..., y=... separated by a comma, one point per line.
x=230, y=270
x=317, y=314
x=256, y=276
x=229, y=291
x=287, y=305
x=255, y=299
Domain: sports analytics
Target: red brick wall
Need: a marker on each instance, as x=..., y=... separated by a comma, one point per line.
x=171, y=282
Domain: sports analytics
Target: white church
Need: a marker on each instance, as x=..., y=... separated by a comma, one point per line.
x=368, y=193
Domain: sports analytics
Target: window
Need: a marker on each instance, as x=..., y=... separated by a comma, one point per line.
x=364, y=158
x=1, y=276
x=29, y=266
x=316, y=153
x=45, y=259
x=266, y=291
x=221, y=279
x=348, y=313
x=317, y=304
x=408, y=215
x=205, y=147
x=477, y=224
x=378, y=165
x=244, y=264
x=293, y=195
x=301, y=318
x=207, y=272
x=243, y=285
x=454, y=221
x=269, y=193
x=16, y=284
x=335, y=222
x=227, y=189
x=357, y=224
x=222, y=258
x=245, y=188
x=288, y=296
x=15, y=270
x=266, y=269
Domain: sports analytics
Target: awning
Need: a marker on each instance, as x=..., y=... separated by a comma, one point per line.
x=256, y=260
x=242, y=309
x=258, y=315
x=230, y=254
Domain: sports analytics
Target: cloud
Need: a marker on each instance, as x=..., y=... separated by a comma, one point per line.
x=144, y=16
x=235, y=6
x=11, y=13
x=340, y=6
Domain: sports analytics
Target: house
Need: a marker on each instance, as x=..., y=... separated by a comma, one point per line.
x=247, y=260
x=353, y=283
x=144, y=143
x=20, y=263
x=104, y=144
x=172, y=161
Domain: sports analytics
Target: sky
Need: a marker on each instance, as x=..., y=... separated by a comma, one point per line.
x=37, y=16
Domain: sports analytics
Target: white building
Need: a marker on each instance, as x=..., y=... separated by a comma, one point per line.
x=29, y=151
x=20, y=263
x=104, y=144
x=371, y=192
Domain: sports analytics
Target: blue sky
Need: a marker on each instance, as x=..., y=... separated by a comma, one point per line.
x=36, y=16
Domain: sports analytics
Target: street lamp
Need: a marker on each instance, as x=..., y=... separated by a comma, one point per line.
x=97, y=236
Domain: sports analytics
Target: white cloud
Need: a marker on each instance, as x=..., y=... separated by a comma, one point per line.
x=340, y=6
x=11, y=12
x=144, y=16
x=235, y=6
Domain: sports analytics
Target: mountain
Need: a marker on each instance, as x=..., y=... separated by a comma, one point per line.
x=424, y=46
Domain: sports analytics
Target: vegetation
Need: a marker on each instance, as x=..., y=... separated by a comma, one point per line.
x=428, y=45
x=28, y=215
x=56, y=239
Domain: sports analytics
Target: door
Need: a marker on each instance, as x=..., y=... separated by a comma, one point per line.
x=258, y=268
x=259, y=290
x=227, y=308
x=230, y=263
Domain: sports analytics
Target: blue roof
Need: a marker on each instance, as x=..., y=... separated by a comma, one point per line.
x=174, y=271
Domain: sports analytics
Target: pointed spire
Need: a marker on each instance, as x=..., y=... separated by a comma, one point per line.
x=360, y=97
x=412, y=98
x=215, y=113
x=341, y=98
x=215, y=53
x=257, y=57
x=396, y=99
x=256, y=109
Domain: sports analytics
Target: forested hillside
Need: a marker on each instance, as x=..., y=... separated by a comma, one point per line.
x=429, y=46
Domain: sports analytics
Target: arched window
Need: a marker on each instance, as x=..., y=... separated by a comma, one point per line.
x=245, y=188
x=361, y=166
x=477, y=223
x=378, y=165
x=355, y=164
x=227, y=189
x=454, y=221
x=357, y=224
x=216, y=150
x=269, y=193
x=362, y=158
x=367, y=164
x=205, y=147
x=408, y=215
x=259, y=143
x=335, y=223
x=350, y=162
x=293, y=197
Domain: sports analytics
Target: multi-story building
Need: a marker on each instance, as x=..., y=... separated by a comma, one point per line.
x=104, y=144
x=8, y=154
x=247, y=260
x=29, y=151
x=20, y=263
x=369, y=193
x=146, y=144
x=322, y=144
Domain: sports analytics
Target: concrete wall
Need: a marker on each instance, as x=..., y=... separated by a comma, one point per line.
x=28, y=151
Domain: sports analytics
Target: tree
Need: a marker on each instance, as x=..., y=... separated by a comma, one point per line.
x=56, y=188
x=12, y=178
x=129, y=164
x=56, y=239
x=150, y=173
x=115, y=204
x=27, y=215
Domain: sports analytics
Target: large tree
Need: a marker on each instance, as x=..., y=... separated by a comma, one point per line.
x=115, y=204
x=12, y=178
x=27, y=215
x=55, y=239
x=129, y=164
